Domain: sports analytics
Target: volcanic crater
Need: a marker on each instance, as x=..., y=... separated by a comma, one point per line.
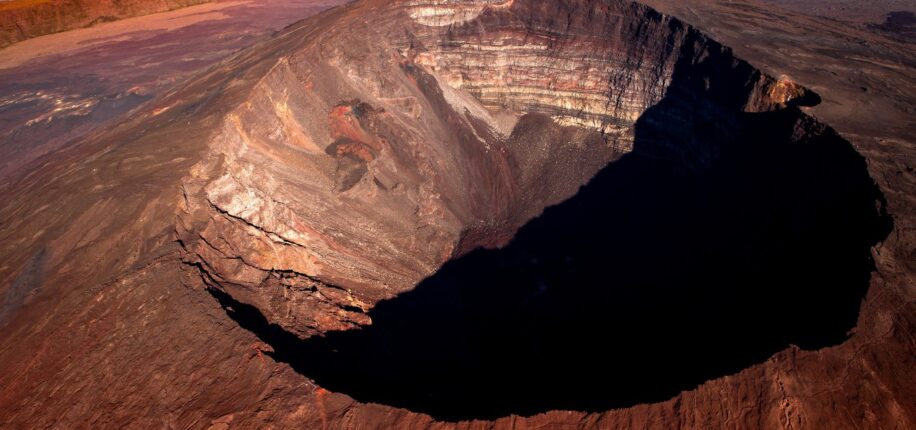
x=716, y=223
x=478, y=208
x=651, y=280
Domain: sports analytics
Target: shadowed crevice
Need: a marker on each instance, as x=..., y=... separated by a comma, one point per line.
x=652, y=280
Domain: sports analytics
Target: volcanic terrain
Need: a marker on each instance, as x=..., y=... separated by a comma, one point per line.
x=469, y=214
x=25, y=19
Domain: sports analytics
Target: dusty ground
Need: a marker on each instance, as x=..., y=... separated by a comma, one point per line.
x=57, y=88
x=24, y=19
x=847, y=10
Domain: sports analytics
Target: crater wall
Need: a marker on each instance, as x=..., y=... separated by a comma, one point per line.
x=333, y=168
x=370, y=155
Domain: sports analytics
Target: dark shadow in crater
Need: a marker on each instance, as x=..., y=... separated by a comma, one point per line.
x=723, y=239
x=652, y=280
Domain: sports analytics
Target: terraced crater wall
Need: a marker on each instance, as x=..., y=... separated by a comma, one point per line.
x=371, y=154
x=323, y=178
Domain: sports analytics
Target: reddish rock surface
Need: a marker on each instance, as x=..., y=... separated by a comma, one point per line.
x=342, y=162
x=25, y=19
x=408, y=156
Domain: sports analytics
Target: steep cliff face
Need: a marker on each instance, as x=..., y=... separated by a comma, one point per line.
x=368, y=157
x=25, y=19
x=337, y=166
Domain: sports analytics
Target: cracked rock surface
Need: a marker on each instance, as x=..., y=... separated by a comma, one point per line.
x=344, y=161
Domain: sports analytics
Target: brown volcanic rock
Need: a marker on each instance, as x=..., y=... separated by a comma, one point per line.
x=365, y=159
x=339, y=164
x=25, y=19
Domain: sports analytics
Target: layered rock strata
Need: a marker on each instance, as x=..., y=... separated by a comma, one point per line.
x=368, y=156
x=342, y=162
